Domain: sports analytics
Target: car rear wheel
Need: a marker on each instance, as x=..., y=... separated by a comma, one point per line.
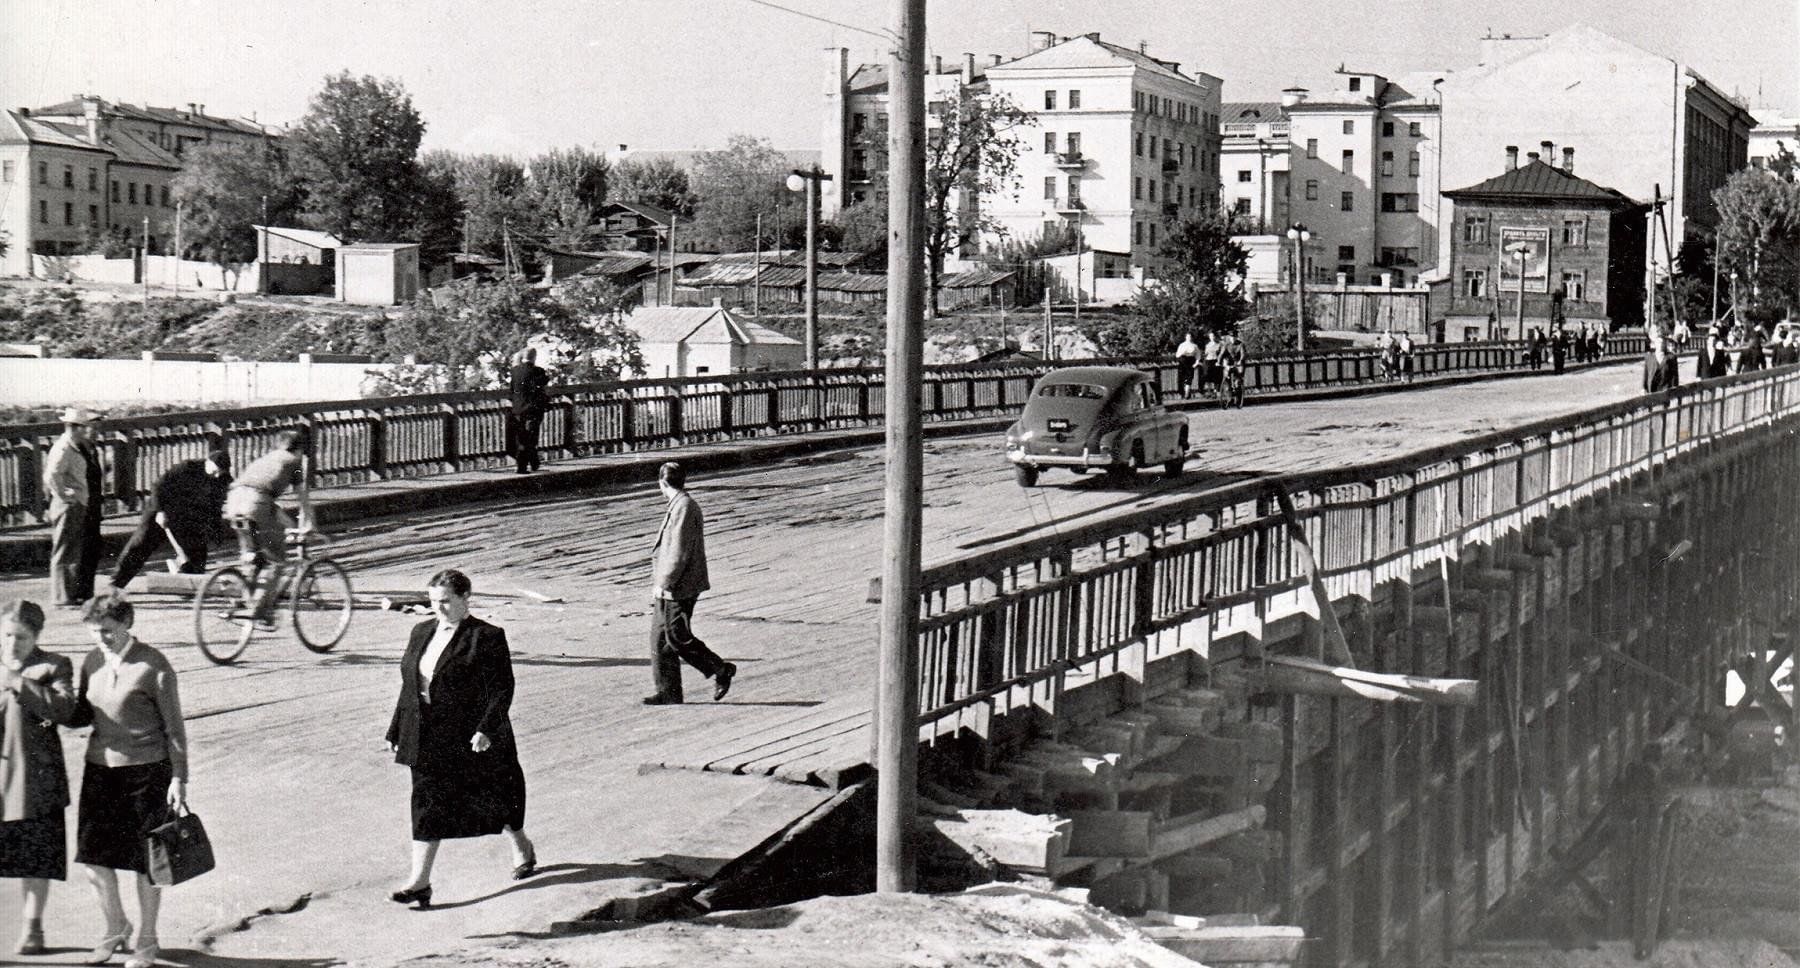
x=1173, y=466
x=1025, y=474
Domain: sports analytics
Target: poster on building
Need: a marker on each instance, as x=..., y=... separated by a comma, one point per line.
x=1536, y=245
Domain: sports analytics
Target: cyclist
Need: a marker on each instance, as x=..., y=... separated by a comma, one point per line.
x=250, y=504
x=1231, y=368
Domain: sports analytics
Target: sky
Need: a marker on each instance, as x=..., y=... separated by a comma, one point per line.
x=519, y=76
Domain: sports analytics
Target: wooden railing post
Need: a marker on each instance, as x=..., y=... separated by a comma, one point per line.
x=124, y=470
x=378, y=445
x=452, y=436
x=677, y=430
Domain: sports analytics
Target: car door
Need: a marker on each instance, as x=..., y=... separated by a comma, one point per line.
x=1154, y=423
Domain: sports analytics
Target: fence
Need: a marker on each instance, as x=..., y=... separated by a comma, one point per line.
x=38, y=381
x=165, y=271
x=417, y=436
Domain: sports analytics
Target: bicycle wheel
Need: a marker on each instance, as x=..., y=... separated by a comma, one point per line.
x=224, y=615
x=321, y=604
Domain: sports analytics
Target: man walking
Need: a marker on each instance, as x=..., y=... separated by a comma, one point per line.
x=1662, y=369
x=72, y=477
x=1185, y=356
x=184, y=507
x=678, y=564
x=529, y=401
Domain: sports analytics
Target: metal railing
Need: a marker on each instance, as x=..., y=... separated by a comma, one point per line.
x=417, y=436
x=1005, y=628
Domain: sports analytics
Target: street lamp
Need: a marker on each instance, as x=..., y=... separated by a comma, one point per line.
x=808, y=181
x=1519, y=251
x=1301, y=236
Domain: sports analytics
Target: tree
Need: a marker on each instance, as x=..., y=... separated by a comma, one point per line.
x=1759, y=236
x=596, y=343
x=658, y=182
x=567, y=191
x=437, y=214
x=225, y=188
x=1025, y=258
x=863, y=227
x=1200, y=290
x=972, y=155
x=492, y=194
x=747, y=179
x=356, y=154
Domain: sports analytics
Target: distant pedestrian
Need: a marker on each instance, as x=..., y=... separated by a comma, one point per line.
x=1406, y=356
x=1538, y=345
x=452, y=726
x=1559, y=349
x=1751, y=357
x=678, y=564
x=1714, y=361
x=137, y=770
x=529, y=403
x=1596, y=347
x=1681, y=334
x=1786, y=351
x=73, y=477
x=250, y=503
x=1185, y=357
x=1390, y=357
x=37, y=694
x=184, y=508
x=1662, y=368
x=1209, y=356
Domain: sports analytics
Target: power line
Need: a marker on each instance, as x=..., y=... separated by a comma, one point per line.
x=883, y=34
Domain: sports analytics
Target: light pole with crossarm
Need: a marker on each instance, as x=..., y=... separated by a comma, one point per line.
x=808, y=181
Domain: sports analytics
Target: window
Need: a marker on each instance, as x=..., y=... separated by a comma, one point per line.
x=1349, y=126
x=68, y=176
x=1387, y=129
x=1074, y=100
x=1574, y=285
x=43, y=211
x=1312, y=189
x=1049, y=100
x=1387, y=164
x=1241, y=207
x=1346, y=253
x=1412, y=128
x=1152, y=147
x=1412, y=164
x=1050, y=186
x=165, y=196
x=1574, y=231
x=1475, y=228
x=859, y=123
x=1474, y=283
x=1153, y=189
x=1168, y=148
x=1349, y=162
x=1049, y=142
x=1074, y=190
x=1137, y=143
x=1355, y=85
x=1137, y=233
x=1398, y=255
x=1243, y=174
x=1152, y=233
x=93, y=179
x=115, y=191
x=1073, y=143
x=131, y=192
x=93, y=215
x=68, y=213
x=6, y=171
x=1399, y=202
x=1347, y=201
x=1312, y=147
x=43, y=173
x=1137, y=187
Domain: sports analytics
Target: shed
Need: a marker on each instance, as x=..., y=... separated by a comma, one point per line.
x=682, y=341
x=378, y=273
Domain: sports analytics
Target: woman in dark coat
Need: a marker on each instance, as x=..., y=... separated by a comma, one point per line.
x=451, y=727
x=37, y=694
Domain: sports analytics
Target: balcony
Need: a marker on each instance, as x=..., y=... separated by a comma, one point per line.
x=857, y=175
x=1070, y=159
x=1171, y=166
x=1069, y=206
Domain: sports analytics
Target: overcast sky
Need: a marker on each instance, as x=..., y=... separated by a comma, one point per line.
x=514, y=76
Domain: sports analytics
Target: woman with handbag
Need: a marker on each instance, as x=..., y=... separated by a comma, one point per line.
x=136, y=774
x=451, y=726
x=37, y=694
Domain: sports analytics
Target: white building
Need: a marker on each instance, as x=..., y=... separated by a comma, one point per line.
x=1253, y=163
x=679, y=341
x=1774, y=132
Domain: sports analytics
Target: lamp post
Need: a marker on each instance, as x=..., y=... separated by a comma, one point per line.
x=1301, y=236
x=808, y=181
x=1519, y=250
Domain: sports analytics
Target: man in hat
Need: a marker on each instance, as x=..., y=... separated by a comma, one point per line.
x=184, y=507
x=72, y=478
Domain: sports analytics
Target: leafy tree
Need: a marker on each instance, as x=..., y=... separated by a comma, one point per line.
x=119, y=242
x=5, y=242
x=596, y=343
x=223, y=187
x=1759, y=235
x=437, y=212
x=863, y=227
x=491, y=193
x=1025, y=258
x=971, y=155
x=1277, y=331
x=567, y=190
x=746, y=179
x=658, y=182
x=356, y=154
x=1200, y=289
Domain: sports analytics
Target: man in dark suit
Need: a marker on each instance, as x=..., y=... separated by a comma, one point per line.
x=678, y=565
x=184, y=507
x=1662, y=369
x=529, y=401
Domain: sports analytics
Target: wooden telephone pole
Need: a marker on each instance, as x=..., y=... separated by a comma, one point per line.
x=896, y=716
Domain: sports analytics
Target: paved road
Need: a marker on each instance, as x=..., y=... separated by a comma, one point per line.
x=292, y=779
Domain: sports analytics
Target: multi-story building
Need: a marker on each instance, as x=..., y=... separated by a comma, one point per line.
x=52, y=190
x=173, y=130
x=1774, y=133
x=1538, y=242
x=1122, y=142
x=1253, y=163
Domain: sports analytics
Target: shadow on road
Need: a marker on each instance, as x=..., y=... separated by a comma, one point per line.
x=566, y=875
x=186, y=958
x=1134, y=488
x=575, y=661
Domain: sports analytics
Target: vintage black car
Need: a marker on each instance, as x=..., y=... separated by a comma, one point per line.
x=1096, y=416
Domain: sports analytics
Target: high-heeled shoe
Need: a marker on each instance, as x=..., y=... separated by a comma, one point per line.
x=419, y=895
x=528, y=866
x=109, y=946
x=145, y=955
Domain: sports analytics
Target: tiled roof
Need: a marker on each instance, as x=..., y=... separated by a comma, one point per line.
x=1145, y=60
x=654, y=213
x=618, y=265
x=134, y=150
x=853, y=282
x=74, y=108
x=974, y=278
x=869, y=79
x=699, y=324
x=23, y=129
x=1251, y=112
x=379, y=246
x=1537, y=180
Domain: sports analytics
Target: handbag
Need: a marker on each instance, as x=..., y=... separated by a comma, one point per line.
x=178, y=850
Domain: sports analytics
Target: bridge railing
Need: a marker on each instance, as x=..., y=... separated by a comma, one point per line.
x=1008, y=627
x=422, y=435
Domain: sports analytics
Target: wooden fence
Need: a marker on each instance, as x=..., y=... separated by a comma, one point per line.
x=417, y=436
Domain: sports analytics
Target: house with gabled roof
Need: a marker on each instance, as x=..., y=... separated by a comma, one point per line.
x=685, y=341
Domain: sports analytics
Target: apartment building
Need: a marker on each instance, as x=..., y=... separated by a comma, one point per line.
x=173, y=130
x=1253, y=165
x=1774, y=132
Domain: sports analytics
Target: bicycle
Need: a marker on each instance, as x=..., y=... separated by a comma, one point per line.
x=229, y=609
x=1234, y=387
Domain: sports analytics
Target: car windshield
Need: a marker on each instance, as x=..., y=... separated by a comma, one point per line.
x=1084, y=391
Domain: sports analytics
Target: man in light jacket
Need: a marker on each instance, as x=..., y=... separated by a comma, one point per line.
x=678, y=565
x=73, y=479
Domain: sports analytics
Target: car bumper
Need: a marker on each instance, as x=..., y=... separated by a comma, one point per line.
x=1086, y=458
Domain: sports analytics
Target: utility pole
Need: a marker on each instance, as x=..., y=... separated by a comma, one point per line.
x=671, y=301
x=756, y=272
x=177, y=272
x=896, y=717
x=809, y=181
x=1080, y=243
x=262, y=265
x=145, y=262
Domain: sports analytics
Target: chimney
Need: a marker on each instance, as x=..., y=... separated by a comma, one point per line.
x=968, y=68
x=1569, y=160
x=998, y=59
x=1043, y=39
x=193, y=109
x=1292, y=95
x=1512, y=157
x=1548, y=148
x=937, y=64
x=624, y=148
x=1530, y=156
x=90, y=113
x=1144, y=47
x=201, y=110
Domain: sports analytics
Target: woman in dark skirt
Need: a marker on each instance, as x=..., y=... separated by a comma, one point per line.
x=37, y=694
x=451, y=726
x=136, y=772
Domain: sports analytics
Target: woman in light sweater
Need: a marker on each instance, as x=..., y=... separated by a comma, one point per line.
x=136, y=770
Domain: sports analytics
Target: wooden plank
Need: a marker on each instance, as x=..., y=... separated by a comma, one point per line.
x=1433, y=689
x=1110, y=833
x=1193, y=830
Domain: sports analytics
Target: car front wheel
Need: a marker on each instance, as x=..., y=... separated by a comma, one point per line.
x=1025, y=474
